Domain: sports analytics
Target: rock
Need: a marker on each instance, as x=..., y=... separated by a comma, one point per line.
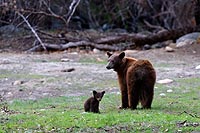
x=172, y=45
x=9, y=93
x=18, y=82
x=185, y=43
x=165, y=81
x=21, y=89
x=99, y=59
x=44, y=61
x=106, y=27
x=65, y=60
x=146, y=47
x=96, y=51
x=162, y=94
x=197, y=67
x=181, y=44
x=170, y=90
x=157, y=45
x=68, y=70
x=167, y=43
x=188, y=39
x=192, y=36
x=169, y=49
x=74, y=53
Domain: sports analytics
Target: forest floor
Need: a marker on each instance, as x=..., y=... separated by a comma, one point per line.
x=38, y=75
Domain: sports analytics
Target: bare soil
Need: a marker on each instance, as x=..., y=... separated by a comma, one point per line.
x=33, y=76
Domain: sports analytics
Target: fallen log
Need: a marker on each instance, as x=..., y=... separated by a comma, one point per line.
x=140, y=40
x=81, y=43
x=61, y=47
x=122, y=42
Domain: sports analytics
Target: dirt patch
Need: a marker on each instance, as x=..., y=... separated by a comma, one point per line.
x=42, y=75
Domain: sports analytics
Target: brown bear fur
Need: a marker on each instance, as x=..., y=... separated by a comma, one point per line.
x=92, y=104
x=136, y=79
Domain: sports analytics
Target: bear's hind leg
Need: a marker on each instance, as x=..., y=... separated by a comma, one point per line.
x=133, y=92
x=133, y=100
x=146, y=104
x=146, y=100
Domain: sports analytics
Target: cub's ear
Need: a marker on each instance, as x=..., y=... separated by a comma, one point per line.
x=103, y=92
x=94, y=92
x=109, y=54
x=121, y=55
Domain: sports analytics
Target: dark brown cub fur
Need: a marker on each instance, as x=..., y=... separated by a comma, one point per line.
x=92, y=104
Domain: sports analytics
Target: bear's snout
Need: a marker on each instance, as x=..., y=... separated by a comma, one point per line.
x=99, y=99
x=108, y=67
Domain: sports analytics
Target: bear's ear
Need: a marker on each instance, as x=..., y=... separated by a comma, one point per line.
x=109, y=54
x=94, y=93
x=121, y=55
x=103, y=92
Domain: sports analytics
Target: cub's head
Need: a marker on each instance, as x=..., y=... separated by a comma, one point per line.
x=114, y=60
x=98, y=95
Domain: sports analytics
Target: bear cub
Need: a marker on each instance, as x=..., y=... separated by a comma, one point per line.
x=92, y=104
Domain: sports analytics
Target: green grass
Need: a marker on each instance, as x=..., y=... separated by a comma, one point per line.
x=12, y=75
x=66, y=114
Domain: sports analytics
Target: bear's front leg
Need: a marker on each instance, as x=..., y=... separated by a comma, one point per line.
x=124, y=93
x=124, y=98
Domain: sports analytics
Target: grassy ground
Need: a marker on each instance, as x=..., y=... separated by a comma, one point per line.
x=178, y=111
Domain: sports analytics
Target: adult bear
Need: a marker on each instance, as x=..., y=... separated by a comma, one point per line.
x=136, y=79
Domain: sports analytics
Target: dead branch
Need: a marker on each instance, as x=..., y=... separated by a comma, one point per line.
x=60, y=36
x=34, y=49
x=72, y=9
x=153, y=26
x=51, y=14
x=34, y=32
x=190, y=114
